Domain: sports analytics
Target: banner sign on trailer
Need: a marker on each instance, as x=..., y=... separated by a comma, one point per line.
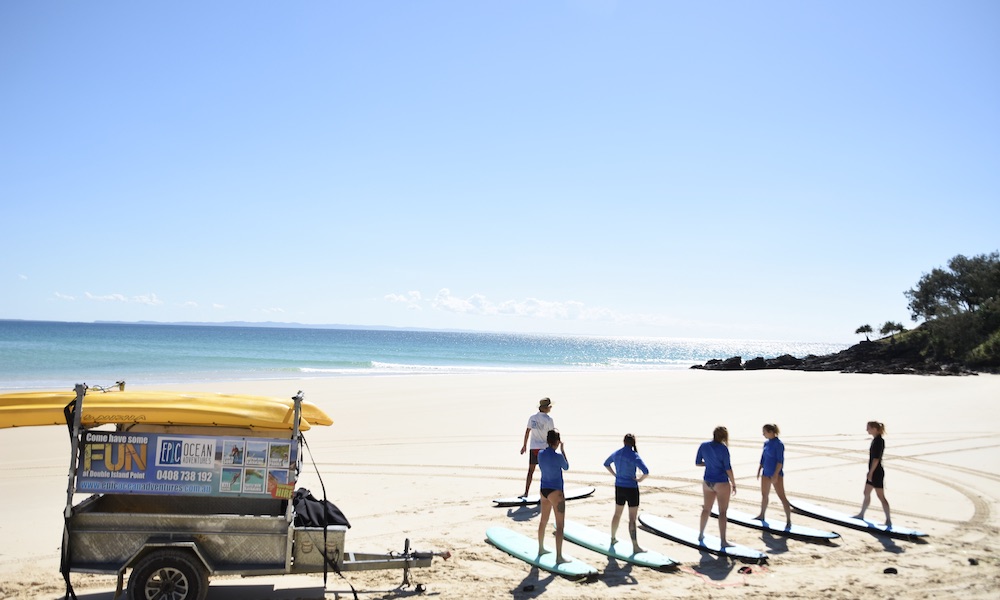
x=114, y=462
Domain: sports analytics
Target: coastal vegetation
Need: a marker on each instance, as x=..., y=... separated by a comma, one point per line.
x=960, y=306
x=960, y=330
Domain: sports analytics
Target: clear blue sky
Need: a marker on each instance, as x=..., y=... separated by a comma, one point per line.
x=768, y=170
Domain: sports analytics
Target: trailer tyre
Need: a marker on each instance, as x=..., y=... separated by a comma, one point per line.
x=168, y=575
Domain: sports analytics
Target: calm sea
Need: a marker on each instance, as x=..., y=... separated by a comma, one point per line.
x=35, y=354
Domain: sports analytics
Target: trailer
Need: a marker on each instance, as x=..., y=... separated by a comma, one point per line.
x=182, y=490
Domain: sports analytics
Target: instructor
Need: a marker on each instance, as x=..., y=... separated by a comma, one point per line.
x=539, y=425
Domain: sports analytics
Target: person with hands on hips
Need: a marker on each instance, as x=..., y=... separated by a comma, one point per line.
x=626, y=461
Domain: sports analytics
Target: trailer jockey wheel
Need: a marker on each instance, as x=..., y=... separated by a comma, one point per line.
x=168, y=575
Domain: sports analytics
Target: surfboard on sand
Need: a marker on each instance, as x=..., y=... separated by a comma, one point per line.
x=571, y=494
x=689, y=536
x=600, y=542
x=831, y=516
x=526, y=549
x=778, y=527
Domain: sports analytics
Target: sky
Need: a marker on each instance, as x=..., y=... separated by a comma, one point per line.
x=766, y=170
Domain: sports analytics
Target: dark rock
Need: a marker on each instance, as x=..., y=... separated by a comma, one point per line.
x=865, y=357
x=785, y=360
x=730, y=364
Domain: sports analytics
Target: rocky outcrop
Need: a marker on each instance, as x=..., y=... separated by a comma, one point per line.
x=866, y=357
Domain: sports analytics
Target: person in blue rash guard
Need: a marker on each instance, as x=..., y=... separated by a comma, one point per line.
x=626, y=461
x=771, y=472
x=718, y=483
x=552, y=463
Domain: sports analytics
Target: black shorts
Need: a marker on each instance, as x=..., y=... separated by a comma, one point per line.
x=546, y=491
x=532, y=457
x=878, y=479
x=625, y=495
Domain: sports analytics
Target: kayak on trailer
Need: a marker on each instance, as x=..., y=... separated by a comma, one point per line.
x=32, y=409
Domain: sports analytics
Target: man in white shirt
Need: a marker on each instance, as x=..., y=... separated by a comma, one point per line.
x=539, y=425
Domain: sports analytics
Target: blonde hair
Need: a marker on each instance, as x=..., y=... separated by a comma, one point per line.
x=877, y=426
x=720, y=434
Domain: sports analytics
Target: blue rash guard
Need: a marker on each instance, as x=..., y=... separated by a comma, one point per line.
x=774, y=453
x=715, y=457
x=552, y=465
x=626, y=461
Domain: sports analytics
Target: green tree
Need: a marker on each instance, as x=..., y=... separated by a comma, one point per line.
x=865, y=329
x=966, y=286
x=891, y=327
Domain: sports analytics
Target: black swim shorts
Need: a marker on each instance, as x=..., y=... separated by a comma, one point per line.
x=625, y=495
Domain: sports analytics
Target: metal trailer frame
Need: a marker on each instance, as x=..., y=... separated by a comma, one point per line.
x=176, y=543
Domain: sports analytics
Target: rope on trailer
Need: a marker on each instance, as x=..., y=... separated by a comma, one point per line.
x=327, y=561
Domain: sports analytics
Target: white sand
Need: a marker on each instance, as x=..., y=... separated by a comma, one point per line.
x=422, y=457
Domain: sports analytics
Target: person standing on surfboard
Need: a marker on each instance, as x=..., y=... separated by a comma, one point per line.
x=539, y=425
x=876, y=474
x=626, y=460
x=552, y=463
x=718, y=483
x=771, y=472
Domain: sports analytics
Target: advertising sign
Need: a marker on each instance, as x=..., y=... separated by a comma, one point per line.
x=186, y=465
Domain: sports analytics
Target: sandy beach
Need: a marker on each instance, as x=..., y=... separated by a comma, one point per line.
x=422, y=457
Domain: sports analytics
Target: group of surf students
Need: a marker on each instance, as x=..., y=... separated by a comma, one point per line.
x=546, y=450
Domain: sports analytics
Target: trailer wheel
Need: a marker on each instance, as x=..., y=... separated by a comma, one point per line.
x=168, y=575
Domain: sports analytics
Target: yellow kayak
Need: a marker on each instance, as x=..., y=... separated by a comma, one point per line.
x=27, y=409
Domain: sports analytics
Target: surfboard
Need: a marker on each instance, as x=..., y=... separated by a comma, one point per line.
x=29, y=409
x=831, y=516
x=571, y=494
x=600, y=542
x=778, y=527
x=688, y=536
x=526, y=549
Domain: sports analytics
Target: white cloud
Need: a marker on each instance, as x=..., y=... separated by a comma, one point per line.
x=149, y=299
x=272, y=310
x=218, y=306
x=411, y=299
x=65, y=297
x=190, y=304
x=529, y=308
x=22, y=277
x=478, y=304
x=407, y=298
x=106, y=298
x=445, y=301
x=556, y=310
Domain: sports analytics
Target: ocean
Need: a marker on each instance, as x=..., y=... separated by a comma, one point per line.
x=45, y=354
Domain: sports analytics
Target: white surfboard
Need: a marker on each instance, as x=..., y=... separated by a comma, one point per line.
x=571, y=494
x=832, y=516
x=689, y=536
x=600, y=542
x=778, y=527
